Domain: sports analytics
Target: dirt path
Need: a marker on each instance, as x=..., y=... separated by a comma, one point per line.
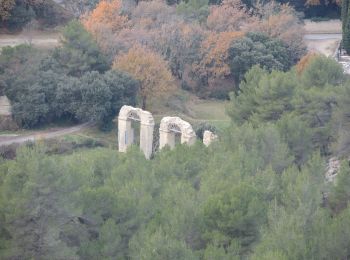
x=325, y=27
x=323, y=37
x=12, y=139
x=323, y=43
x=37, y=38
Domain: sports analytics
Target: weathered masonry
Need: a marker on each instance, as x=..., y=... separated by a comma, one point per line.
x=170, y=126
x=128, y=114
x=5, y=106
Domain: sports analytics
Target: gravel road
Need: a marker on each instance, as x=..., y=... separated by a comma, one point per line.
x=10, y=139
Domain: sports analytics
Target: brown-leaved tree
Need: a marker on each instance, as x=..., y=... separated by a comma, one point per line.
x=150, y=69
x=107, y=15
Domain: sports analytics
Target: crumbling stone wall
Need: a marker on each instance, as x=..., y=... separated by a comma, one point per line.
x=169, y=126
x=126, y=132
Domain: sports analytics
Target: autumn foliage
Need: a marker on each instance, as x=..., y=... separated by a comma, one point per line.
x=150, y=69
x=305, y=61
x=105, y=15
x=196, y=49
x=215, y=53
x=283, y=25
x=230, y=15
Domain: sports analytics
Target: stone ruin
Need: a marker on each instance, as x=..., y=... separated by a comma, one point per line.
x=6, y=120
x=209, y=137
x=169, y=128
x=127, y=114
x=5, y=106
x=333, y=167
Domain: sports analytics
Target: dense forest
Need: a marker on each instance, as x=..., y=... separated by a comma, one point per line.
x=14, y=14
x=149, y=51
x=259, y=192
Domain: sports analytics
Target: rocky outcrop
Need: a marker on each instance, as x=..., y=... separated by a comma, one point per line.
x=333, y=167
x=209, y=137
x=5, y=106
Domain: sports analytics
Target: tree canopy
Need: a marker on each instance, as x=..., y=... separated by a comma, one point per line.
x=150, y=69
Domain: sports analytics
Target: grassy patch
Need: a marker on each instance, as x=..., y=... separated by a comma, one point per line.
x=108, y=139
x=195, y=110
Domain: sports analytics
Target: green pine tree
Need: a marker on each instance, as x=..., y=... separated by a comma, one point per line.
x=346, y=25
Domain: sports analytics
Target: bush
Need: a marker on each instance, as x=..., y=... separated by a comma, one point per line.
x=47, y=12
x=69, y=83
x=258, y=49
x=201, y=127
x=19, y=16
x=7, y=123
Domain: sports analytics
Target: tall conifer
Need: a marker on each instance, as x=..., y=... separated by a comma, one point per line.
x=346, y=25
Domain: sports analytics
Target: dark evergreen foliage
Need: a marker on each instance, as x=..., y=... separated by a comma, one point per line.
x=258, y=49
x=70, y=83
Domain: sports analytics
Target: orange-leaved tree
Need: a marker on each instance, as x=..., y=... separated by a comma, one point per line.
x=305, y=61
x=106, y=15
x=214, y=51
x=230, y=15
x=150, y=69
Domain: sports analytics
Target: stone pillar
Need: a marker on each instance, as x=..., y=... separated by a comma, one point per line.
x=188, y=139
x=146, y=139
x=166, y=138
x=5, y=106
x=167, y=134
x=209, y=137
x=125, y=134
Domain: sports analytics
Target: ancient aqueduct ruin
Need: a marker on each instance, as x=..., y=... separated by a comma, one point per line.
x=169, y=128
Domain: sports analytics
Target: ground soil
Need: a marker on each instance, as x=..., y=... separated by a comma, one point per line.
x=7, y=139
x=327, y=44
x=41, y=39
x=331, y=26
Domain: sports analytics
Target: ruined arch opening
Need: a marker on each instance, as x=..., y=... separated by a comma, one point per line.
x=135, y=121
x=172, y=128
x=131, y=119
x=175, y=129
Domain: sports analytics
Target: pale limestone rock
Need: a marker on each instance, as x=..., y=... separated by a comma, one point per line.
x=126, y=132
x=5, y=106
x=169, y=126
x=209, y=137
x=333, y=167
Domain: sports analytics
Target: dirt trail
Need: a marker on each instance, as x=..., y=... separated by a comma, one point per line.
x=48, y=134
x=323, y=37
x=324, y=27
x=37, y=38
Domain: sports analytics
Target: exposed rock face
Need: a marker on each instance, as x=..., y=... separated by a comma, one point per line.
x=169, y=126
x=6, y=121
x=333, y=167
x=209, y=137
x=5, y=106
x=126, y=132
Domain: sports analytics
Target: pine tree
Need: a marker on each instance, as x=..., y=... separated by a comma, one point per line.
x=346, y=25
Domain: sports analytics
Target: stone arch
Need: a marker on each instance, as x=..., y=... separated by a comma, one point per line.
x=127, y=114
x=169, y=126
